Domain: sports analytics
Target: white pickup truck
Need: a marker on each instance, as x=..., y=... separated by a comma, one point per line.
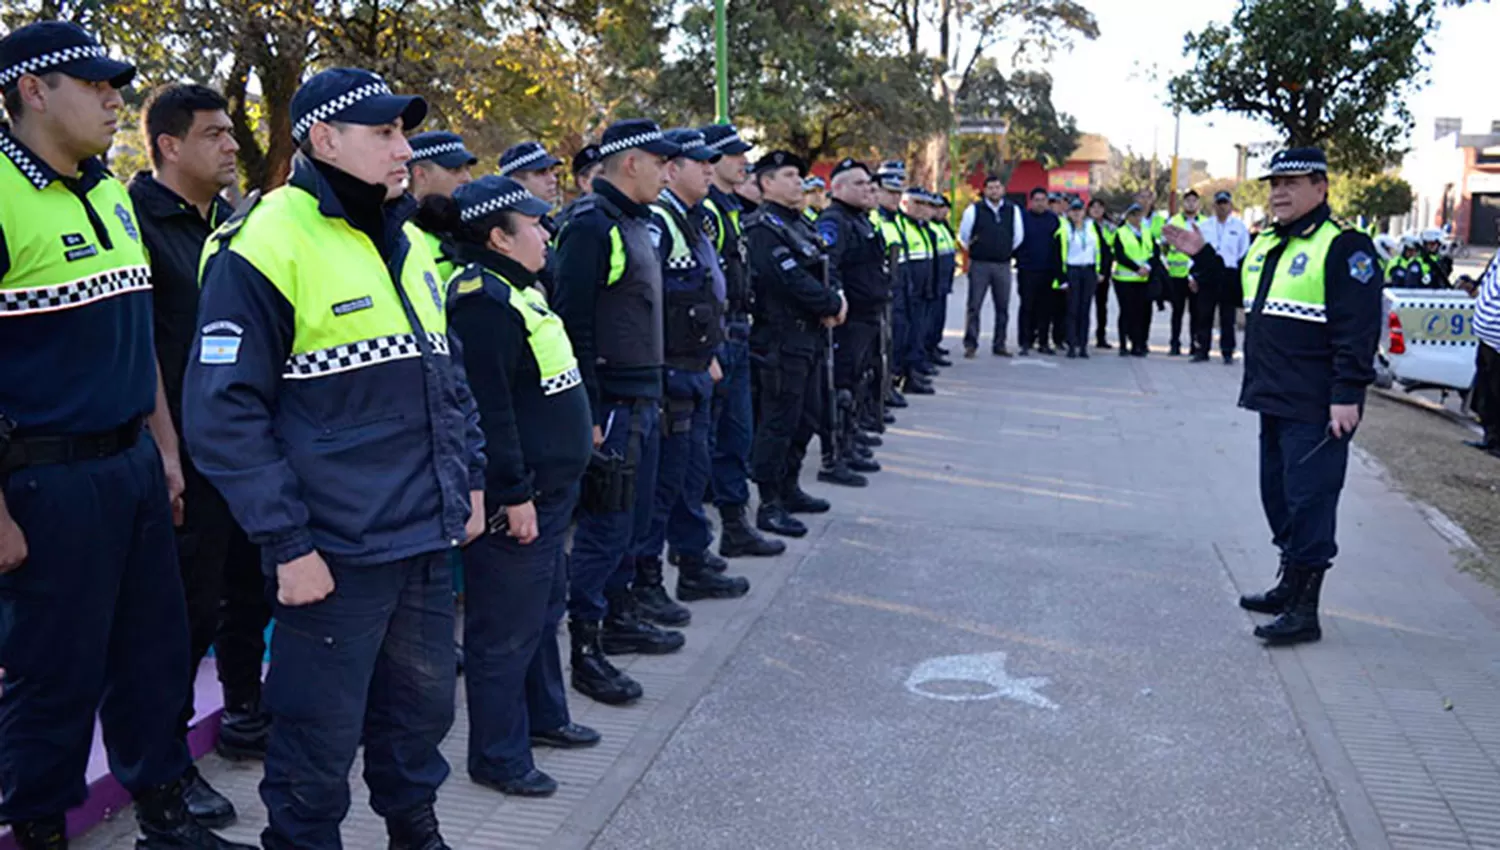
x=1429, y=341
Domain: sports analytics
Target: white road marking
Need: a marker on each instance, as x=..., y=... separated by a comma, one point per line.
x=985, y=669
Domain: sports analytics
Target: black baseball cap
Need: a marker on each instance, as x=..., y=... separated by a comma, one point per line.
x=48, y=46
x=587, y=155
x=1222, y=197
x=441, y=147
x=848, y=164
x=354, y=96
x=780, y=159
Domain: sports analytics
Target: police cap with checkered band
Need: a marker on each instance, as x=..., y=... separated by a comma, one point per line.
x=353, y=96
x=491, y=194
x=1297, y=162
x=636, y=133
x=59, y=46
x=527, y=156
x=441, y=147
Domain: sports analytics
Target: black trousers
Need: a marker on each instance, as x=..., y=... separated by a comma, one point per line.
x=1177, y=296
x=244, y=613
x=1135, y=314
x=854, y=349
x=1034, y=318
x=791, y=401
x=1059, y=317
x=1486, y=398
x=1101, y=309
x=1217, y=295
x=1302, y=471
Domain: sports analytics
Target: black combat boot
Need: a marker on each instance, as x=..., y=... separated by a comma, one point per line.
x=773, y=516
x=625, y=633
x=739, y=539
x=869, y=441
x=593, y=675
x=1273, y=601
x=415, y=829
x=894, y=398
x=838, y=472
x=861, y=461
x=709, y=559
x=651, y=600
x=166, y=825
x=46, y=834
x=696, y=579
x=1299, y=623
x=206, y=805
x=243, y=729
x=799, y=502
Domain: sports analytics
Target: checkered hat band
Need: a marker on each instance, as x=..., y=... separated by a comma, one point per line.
x=358, y=355
x=518, y=162
x=629, y=142
x=1298, y=165
x=50, y=299
x=727, y=140
x=493, y=205
x=328, y=109
x=38, y=64
x=436, y=150
x=23, y=161
x=1293, y=310
x=561, y=383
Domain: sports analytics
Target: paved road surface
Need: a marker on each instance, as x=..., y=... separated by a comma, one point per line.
x=1092, y=521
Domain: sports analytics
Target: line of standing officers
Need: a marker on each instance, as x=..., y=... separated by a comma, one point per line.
x=376, y=366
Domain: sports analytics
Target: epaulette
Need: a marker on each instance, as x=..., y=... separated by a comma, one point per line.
x=232, y=225
x=474, y=279
x=763, y=217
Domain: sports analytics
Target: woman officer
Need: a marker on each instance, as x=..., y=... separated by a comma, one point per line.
x=539, y=437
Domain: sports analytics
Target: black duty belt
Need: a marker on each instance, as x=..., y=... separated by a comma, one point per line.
x=25, y=450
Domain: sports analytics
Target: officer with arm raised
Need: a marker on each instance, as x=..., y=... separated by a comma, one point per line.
x=92, y=615
x=324, y=404
x=786, y=268
x=1313, y=304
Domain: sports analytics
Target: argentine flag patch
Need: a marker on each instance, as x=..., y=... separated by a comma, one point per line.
x=219, y=350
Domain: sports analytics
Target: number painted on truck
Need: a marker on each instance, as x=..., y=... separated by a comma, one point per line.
x=1452, y=324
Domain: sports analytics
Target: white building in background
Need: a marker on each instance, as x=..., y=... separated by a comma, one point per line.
x=1455, y=180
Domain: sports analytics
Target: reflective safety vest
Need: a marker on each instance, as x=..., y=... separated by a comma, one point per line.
x=943, y=240
x=1065, y=238
x=326, y=270
x=545, y=334
x=434, y=243
x=918, y=238
x=810, y=214
x=1179, y=264
x=1297, y=283
x=890, y=231
x=724, y=224
x=1136, y=249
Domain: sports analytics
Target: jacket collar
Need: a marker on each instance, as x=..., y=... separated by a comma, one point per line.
x=513, y=272
x=781, y=212
x=42, y=175
x=674, y=203
x=619, y=201
x=726, y=201
x=153, y=198
x=307, y=177
x=1304, y=226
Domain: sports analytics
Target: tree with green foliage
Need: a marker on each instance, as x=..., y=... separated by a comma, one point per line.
x=1373, y=196
x=1024, y=99
x=1332, y=73
x=1136, y=173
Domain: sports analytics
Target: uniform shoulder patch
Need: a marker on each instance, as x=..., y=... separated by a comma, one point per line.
x=468, y=281
x=828, y=229
x=1361, y=267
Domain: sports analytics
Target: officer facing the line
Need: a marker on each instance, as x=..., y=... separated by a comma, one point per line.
x=439, y=164
x=733, y=409
x=693, y=297
x=323, y=319
x=786, y=268
x=609, y=295
x=92, y=616
x=1312, y=296
x=538, y=432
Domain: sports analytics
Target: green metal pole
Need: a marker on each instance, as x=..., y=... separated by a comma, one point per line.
x=721, y=60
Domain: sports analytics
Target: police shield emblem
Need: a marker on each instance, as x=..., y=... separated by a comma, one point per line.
x=433, y=290
x=128, y=222
x=1299, y=265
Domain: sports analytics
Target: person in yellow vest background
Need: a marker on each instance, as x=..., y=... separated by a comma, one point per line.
x=1313, y=304
x=1181, y=287
x=326, y=403
x=439, y=164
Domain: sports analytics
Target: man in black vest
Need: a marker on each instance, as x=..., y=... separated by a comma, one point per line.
x=990, y=231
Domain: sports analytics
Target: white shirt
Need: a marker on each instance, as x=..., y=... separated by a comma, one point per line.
x=966, y=224
x=1229, y=238
x=1083, y=245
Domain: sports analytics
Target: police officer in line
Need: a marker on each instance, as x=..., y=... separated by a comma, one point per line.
x=1104, y=233
x=693, y=297
x=786, y=267
x=609, y=295
x=1437, y=268
x=187, y=133
x=747, y=192
x=322, y=319
x=440, y=163
x=922, y=286
x=890, y=180
x=92, y=613
x=529, y=164
x=946, y=255
x=585, y=168
x=1135, y=254
x=1313, y=304
x=814, y=198
x=538, y=432
x=733, y=426
x=1180, y=286
x=857, y=268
